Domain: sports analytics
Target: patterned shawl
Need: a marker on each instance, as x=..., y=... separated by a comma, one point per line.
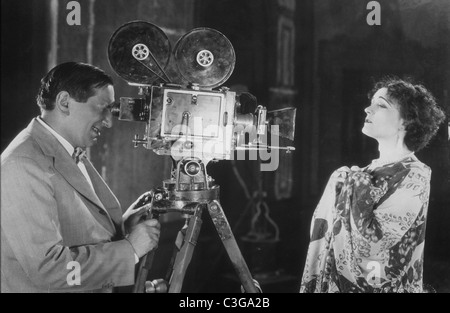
x=368, y=230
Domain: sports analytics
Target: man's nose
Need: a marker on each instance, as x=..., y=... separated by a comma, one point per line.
x=368, y=110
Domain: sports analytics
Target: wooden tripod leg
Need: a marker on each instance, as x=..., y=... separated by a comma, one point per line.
x=177, y=247
x=184, y=256
x=226, y=235
x=144, y=267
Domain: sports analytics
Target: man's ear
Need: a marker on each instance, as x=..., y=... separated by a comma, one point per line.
x=62, y=102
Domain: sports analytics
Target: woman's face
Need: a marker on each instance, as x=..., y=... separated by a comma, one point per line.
x=383, y=119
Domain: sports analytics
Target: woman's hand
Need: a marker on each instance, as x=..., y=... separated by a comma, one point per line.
x=355, y=168
x=341, y=174
x=344, y=173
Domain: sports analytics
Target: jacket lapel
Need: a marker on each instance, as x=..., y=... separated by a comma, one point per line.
x=105, y=194
x=68, y=169
x=65, y=165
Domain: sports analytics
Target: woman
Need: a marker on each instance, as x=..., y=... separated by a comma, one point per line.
x=367, y=232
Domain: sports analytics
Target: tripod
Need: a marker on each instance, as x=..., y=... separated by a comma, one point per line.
x=190, y=191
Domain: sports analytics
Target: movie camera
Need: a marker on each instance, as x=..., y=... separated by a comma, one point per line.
x=185, y=115
x=190, y=116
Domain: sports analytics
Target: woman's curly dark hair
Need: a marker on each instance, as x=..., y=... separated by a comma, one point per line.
x=422, y=117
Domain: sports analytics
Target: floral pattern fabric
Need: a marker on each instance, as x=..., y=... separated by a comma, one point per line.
x=368, y=230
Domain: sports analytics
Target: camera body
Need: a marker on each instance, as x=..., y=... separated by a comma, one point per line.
x=189, y=122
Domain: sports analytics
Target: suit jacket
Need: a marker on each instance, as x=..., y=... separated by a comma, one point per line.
x=57, y=235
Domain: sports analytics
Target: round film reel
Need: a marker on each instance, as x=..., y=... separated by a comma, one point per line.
x=136, y=49
x=204, y=56
x=140, y=52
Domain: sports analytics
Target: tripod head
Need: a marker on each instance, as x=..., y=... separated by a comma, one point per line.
x=188, y=186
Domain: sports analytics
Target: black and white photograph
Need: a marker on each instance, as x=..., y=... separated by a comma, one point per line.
x=225, y=147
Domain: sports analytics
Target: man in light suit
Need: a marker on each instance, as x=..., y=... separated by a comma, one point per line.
x=62, y=229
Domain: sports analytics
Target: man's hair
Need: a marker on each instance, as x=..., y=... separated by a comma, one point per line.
x=79, y=79
x=417, y=107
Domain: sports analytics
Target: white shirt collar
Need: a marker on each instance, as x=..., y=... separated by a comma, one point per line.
x=70, y=149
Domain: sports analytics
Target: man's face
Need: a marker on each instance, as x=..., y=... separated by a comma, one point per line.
x=86, y=120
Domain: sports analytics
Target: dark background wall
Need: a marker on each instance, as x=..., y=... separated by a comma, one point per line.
x=318, y=56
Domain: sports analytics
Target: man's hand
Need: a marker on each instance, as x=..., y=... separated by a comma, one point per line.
x=145, y=236
x=137, y=212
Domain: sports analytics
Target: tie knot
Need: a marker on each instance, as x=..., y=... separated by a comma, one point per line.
x=78, y=154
